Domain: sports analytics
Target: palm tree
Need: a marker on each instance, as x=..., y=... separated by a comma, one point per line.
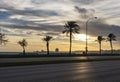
x=47, y=39
x=23, y=44
x=110, y=38
x=100, y=39
x=3, y=39
x=70, y=28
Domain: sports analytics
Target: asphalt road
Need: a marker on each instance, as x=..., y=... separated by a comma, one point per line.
x=53, y=58
x=103, y=71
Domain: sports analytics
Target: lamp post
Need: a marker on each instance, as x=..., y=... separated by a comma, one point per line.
x=87, y=33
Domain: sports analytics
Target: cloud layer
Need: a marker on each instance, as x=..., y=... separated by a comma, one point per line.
x=42, y=17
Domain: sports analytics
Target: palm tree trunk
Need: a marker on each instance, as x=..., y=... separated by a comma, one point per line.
x=70, y=41
x=47, y=48
x=24, y=51
x=100, y=47
x=111, y=47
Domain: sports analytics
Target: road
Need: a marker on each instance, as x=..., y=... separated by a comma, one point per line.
x=102, y=71
x=53, y=58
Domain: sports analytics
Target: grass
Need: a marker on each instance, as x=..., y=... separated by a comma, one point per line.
x=53, y=62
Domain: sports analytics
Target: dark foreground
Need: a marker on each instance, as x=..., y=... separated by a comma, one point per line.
x=102, y=71
x=5, y=62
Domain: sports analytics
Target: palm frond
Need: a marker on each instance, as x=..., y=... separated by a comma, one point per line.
x=71, y=26
x=47, y=38
x=64, y=31
x=23, y=43
x=100, y=39
x=111, y=37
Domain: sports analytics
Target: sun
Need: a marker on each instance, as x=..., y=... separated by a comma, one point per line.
x=80, y=36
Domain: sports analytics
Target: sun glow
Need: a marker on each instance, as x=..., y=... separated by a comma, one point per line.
x=80, y=36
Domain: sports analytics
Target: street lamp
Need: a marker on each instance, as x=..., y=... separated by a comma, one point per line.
x=87, y=32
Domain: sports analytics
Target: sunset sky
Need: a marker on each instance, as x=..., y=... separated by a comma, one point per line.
x=34, y=19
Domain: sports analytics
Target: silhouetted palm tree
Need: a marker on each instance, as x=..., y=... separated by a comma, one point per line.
x=3, y=39
x=100, y=39
x=47, y=39
x=110, y=38
x=23, y=44
x=70, y=28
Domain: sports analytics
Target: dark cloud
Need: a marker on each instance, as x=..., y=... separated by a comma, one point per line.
x=83, y=1
x=86, y=2
x=36, y=12
x=53, y=33
x=20, y=21
x=85, y=13
x=4, y=15
x=56, y=35
x=45, y=1
x=30, y=12
x=99, y=27
x=25, y=31
x=42, y=27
